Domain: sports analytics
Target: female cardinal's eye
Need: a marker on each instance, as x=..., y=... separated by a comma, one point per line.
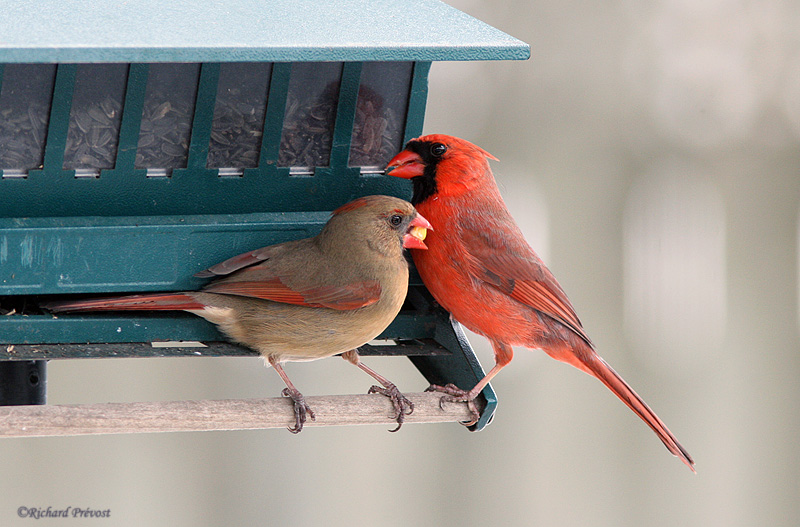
x=396, y=220
x=438, y=149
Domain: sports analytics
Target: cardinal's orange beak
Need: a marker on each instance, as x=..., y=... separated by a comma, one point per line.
x=406, y=165
x=416, y=233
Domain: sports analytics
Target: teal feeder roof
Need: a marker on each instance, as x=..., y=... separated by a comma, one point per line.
x=59, y=31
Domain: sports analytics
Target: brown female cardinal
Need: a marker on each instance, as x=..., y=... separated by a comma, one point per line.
x=306, y=299
x=479, y=267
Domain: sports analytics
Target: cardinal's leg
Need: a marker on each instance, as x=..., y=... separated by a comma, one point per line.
x=503, y=354
x=402, y=406
x=301, y=409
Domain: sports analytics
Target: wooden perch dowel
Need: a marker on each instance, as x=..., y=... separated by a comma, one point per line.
x=231, y=414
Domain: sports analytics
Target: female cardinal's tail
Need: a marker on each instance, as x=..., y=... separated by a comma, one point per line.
x=584, y=358
x=154, y=302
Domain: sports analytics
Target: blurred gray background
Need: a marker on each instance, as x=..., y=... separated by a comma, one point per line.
x=649, y=151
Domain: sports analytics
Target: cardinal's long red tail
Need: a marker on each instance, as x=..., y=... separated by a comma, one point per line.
x=587, y=360
x=156, y=302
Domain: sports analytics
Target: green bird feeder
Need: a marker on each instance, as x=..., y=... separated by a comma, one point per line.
x=142, y=141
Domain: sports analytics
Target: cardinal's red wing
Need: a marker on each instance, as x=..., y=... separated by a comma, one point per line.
x=516, y=270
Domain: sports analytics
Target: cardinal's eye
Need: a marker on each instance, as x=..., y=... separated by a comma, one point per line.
x=396, y=220
x=438, y=149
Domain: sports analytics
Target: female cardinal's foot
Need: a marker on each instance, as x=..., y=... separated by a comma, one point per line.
x=454, y=394
x=402, y=406
x=300, y=409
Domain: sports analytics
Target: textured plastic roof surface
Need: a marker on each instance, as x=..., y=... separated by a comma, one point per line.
x=247, y=30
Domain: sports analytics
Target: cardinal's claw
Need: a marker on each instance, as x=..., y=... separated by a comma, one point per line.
x=402, y=405
x=301, y=409
x=454, y=394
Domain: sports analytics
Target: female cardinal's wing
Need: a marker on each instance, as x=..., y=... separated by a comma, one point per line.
x=341, y=297
x=511, y=266
x=238, y=262
x=290, y=273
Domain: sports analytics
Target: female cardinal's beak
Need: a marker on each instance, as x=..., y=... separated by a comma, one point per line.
x=418, y=231
x=406, y=165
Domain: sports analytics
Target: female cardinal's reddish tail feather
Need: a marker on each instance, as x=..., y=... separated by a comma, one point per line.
x=584, y=358
x=158, y=302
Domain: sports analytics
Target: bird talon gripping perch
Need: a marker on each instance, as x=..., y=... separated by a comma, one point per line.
x=454, y=394
x=402, y=405
x=301, y=409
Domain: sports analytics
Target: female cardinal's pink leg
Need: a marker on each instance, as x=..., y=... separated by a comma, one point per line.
x=503, y=353
x=402, y=406
x=301, y=409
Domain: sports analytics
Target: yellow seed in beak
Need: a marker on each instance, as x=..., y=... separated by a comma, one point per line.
x=418, y=232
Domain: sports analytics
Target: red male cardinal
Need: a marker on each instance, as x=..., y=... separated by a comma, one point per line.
x=306, y=299
x=479, y=267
